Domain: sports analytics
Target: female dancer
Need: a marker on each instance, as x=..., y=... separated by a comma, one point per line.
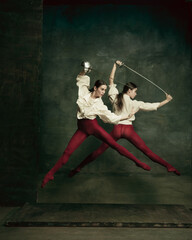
x=91, y=105
x=123, y=104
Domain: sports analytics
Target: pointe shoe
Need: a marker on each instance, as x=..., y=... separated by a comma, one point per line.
x=73, y=172
x=174, y=170
x=46, y=179
x=144, y=166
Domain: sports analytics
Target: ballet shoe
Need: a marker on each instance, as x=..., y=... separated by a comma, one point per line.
x=73, y=172
x=174, y=170
x=144, y=166
x=48, y=177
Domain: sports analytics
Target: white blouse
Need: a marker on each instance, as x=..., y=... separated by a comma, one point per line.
x=90, y=108
x=129, y=105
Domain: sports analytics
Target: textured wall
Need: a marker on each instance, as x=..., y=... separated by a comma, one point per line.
x=20, y=49
x=153, y=40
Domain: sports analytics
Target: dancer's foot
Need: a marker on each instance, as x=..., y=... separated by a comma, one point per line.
x=73, y=172
x=174, y=170
x=143, y=165
x=48, y=177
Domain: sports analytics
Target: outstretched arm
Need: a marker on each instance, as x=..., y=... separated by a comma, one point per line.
x=133, y=111
x=168, y=99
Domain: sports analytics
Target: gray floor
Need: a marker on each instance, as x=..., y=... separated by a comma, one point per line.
x=100, y=215
x=81, y=233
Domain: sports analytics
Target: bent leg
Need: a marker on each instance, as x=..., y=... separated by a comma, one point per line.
x=134, y=138
x=76, y=140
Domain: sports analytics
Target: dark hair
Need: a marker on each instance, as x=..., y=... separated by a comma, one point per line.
x=119, y=100
x=97, y=84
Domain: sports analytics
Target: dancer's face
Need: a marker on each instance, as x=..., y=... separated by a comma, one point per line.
x=100, y=91
x=132, y=93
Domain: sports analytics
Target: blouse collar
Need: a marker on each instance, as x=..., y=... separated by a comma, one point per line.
x=88, y=96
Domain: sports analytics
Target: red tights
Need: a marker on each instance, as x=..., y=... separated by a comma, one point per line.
x=127, y=132
x=86, y=128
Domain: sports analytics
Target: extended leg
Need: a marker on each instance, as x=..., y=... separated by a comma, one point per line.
x=115, y=134
x=105, y=137
x=73, y=144
x=134, y=138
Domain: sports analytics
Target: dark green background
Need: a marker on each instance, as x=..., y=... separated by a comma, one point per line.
x=41, y=54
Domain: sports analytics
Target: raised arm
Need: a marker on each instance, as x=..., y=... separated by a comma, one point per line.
x=112, y=75
x=168, y=99
x=83, y=83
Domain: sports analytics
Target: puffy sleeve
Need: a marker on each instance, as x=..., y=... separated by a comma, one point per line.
x=106, y=115
x=145, y=106
x=113, y=91
x=83, y=82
